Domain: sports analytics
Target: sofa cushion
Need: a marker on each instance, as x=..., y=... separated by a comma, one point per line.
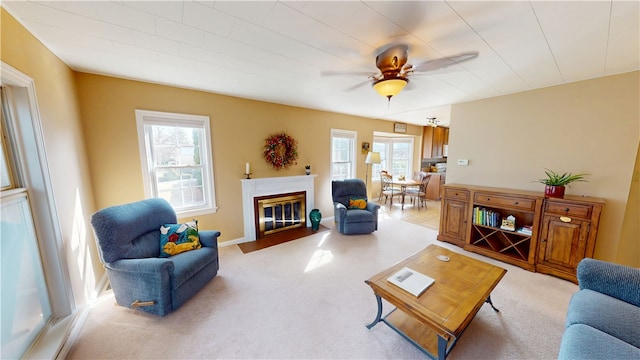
x=584, y=342
x=621, y=282
x=605, y=313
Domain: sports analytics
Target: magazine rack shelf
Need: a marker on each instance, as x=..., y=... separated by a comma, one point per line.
x=549, y=235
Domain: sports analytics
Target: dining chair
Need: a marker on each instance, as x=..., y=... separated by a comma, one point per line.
x=387, y=189
x=419, y=194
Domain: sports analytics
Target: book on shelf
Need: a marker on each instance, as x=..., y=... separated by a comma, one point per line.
x=526, y=230
x=486, y=217
x=412, y=281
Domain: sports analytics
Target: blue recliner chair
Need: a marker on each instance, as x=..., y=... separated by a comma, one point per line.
x=359, y=218
x=129, y=244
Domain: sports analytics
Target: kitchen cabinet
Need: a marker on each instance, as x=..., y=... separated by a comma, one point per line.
x=433, y=141
x=435, y=186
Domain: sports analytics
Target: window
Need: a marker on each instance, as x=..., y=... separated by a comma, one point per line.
x=343, y=150
x=7, y=178
x=396, y=156
x=26, y=303
x=175, y=151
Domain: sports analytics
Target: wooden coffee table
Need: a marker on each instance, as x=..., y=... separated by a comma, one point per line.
x=434, y=321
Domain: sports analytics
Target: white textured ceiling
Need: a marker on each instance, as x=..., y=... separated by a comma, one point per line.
x=276, y=51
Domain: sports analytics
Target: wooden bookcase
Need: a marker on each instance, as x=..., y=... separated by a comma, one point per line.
x=562, y=231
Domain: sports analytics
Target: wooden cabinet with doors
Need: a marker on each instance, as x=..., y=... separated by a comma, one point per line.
x=453, y=221
x=561, y=232
x=568, y=234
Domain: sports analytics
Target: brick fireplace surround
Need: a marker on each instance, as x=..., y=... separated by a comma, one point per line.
x=252, y=188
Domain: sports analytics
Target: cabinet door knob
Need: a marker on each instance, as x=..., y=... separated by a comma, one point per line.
x=566, y=209
x=544, y=240
x=516, y=203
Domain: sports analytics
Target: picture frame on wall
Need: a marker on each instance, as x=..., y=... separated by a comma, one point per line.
x=400, y=128
x=365, y=147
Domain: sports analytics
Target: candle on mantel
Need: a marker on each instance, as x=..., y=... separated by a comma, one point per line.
x=247, y=171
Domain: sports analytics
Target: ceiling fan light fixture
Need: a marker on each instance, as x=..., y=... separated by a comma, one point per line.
x=390, y=87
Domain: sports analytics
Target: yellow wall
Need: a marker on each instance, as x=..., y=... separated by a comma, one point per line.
x=629, y=249
x=239, y=128
x=584, y=127
x=64, y=145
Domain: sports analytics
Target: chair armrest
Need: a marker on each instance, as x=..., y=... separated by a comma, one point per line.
x=144, y=265
x=339, y=212
x=619, y=281
x=373, y=207
x=209, y=238
x=340, y=208
x=146, y=280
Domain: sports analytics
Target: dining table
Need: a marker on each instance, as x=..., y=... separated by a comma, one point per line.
x=404, y=184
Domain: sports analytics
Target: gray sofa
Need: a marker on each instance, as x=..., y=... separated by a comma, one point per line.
x=603, y=319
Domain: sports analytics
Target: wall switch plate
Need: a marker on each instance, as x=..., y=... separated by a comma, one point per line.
x=463, y=162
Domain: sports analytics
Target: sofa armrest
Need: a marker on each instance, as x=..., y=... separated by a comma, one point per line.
x=618, y=281
x=209, y=238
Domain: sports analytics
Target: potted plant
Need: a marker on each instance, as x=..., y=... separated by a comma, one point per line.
x=555, y=182
x=307, y=169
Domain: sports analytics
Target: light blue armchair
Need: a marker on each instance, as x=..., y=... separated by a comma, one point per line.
x=129, y=245
x=353, y=220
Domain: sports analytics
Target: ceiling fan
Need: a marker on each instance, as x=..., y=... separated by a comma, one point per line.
x=394, y=71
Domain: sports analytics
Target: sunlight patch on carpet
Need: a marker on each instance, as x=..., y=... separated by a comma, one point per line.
x=319, y=258
x=324, y=238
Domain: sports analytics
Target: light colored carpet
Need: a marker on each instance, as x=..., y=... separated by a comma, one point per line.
x=306, y=299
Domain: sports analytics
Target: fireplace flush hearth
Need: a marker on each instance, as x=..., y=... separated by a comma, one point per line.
x=282, y=212
x=264, y=188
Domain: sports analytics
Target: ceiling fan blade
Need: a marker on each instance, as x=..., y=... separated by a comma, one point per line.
x=445, y=61
x=343, y=73
x=358, y=85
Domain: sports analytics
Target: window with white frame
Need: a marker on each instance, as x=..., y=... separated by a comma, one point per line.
x=343, y=154
x=175, y=150
x=396, y=156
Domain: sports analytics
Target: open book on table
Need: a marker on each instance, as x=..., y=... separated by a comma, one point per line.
x=412, y=281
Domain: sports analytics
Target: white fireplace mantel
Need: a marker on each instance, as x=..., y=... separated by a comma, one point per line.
x=272, y=186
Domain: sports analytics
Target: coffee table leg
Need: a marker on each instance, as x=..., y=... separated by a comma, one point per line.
x=379, y=315
x=490, y=303
x=442, y=348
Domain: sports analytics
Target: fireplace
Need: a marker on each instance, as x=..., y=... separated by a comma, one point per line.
x=257, y=189
x=277, y=213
